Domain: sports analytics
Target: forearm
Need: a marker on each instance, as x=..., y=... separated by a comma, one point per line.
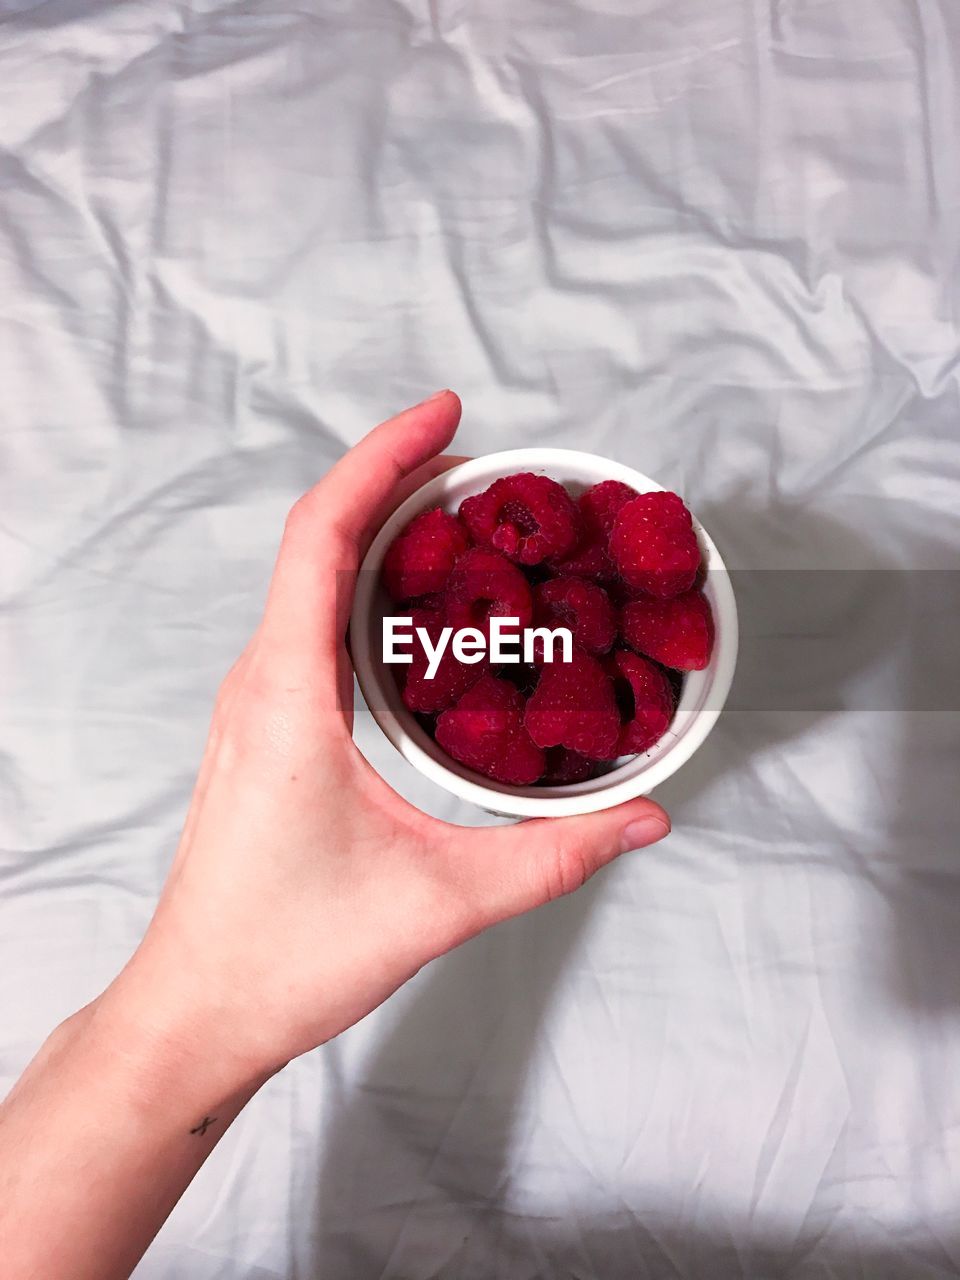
x=101, y=1136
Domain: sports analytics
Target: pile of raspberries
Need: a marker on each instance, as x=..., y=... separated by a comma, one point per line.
x=620, y=569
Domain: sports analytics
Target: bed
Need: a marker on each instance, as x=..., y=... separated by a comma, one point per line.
x=716, y=239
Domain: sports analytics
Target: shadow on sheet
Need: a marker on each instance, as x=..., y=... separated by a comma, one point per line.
x=851, y=638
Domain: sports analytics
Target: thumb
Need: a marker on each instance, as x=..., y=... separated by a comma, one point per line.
x=517, y=868
x=308, y=602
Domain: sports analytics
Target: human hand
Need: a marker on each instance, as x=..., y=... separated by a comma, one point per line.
x=305, y=890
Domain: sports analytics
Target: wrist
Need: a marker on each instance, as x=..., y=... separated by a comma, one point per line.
x=170, y=1037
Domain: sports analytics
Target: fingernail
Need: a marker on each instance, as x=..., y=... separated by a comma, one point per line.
x=436, y=395
x=643, y=831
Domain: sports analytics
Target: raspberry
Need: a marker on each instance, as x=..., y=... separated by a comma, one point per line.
x=646, y=699
x=565, y=766
x=451, y=679
x=420, y=558
x=581, y=606
x=485, y=732
x=620, y=594
x=527, y=517
x=677, y=632
x=590, y=560
x=521, y=675
x=574, y=706
x=654, y=546
x=432, y=601
x=600, y=505
x=598, y=509
x=485, y=585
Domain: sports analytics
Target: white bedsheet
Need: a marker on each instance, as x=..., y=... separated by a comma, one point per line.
x=717, y=239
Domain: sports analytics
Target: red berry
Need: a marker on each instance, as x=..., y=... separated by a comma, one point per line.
x=432, y=601
x=621, y=594
x=654, y=546
x=485, y=732
x=646, y=696
x=581, y=606
x=600, y=505
x=521, y=675
x=527, y=517
x=590, y=560
x=565, y=766
x=420, y=558
x=677, y=632
x=574, y=706
x=485, y=585
x=450, y=680
x=598, y=508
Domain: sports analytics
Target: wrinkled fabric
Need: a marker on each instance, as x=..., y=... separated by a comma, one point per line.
x=715, y=239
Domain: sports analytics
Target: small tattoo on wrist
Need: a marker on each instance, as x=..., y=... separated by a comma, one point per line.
x=204, y=1125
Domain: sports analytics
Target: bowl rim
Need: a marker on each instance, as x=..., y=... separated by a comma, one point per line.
x=528, y=802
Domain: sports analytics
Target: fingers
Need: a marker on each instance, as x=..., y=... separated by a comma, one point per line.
x=364, y=480
x=513, y=869
x=324, y=531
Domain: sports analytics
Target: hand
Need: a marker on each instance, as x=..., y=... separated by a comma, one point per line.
x=305, y=890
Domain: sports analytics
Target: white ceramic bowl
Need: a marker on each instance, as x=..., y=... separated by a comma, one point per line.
x=704, y=692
